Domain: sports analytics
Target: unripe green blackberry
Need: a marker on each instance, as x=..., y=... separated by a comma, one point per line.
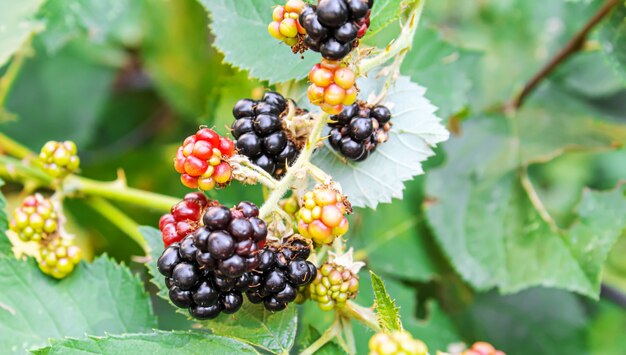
x=396, y=343
x=35, y=219
x=333, y=286
x=322, y=215
x=59, y=159
x=59, y=256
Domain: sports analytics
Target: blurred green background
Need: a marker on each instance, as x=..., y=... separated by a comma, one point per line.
x=128, y=82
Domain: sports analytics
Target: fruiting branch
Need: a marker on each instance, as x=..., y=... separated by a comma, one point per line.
x=572, y=46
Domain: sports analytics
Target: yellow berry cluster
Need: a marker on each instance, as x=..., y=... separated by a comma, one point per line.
x=322, y=215
x=332, y=86
x=286, y=26
x=59, y=256
x=396, y=343
x=333, y=286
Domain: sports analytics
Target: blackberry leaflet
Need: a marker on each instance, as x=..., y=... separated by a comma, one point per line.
x=333, y=27
x=359, y=129
x=259, y=134
x=282, y=270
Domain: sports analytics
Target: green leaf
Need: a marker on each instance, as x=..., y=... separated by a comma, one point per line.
x=101, y=21
x=385, y=12
x=605, y=335
x=240, y=29
x=5, y=243
x=491, y=231
x=447, y=71
x=613, y=39
x=18, y=24
x=536, y=321
x=71, y=113
x=179, y=58
x=415, y=131
x=252, y=324
x=386, y=310
x=149, y=343
x=96, y=298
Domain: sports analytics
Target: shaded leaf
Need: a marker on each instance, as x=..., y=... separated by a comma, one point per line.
x=385, y=13
x=149, y=343
x=240, y=29
x=35, y=307
x=18, y=24
x=415, y=131
x=252, y=323
x=613, y=38
x=386, y=310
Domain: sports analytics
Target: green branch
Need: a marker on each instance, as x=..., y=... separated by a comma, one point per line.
x=119, y=219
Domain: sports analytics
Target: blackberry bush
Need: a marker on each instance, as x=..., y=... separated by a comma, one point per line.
x=282, y=270
x=259, y=133
x=359, y=129
x=184, y=217
x=59, y=158
x=396, y=343
x=321, y=216
x=202, y=160
x=35, y=219
x=333, y=27
x=332, y=86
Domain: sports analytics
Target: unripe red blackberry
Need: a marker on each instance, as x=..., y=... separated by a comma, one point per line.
x=396, y=343
x=202, y=160
x=322, y=215
x=333, y=27
x=35, y=220
x=333, y=286
x=59, y=159
x=184, y=217
x=59, y=256
x=482, y=348
x=259, y=133
x=285, y=26
x=282, y=270
x=332, y=86
x=359, y=129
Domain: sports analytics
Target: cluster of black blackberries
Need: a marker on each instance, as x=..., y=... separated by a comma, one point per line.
x=208, y=271
x=358, y=129
x=283, y=269
x=333, y=26
x=259, y=135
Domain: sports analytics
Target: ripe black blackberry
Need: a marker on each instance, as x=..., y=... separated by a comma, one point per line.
x=334, y=26
x=358, y=129
x=282, y=270
x=210, y=268
x=259, y=134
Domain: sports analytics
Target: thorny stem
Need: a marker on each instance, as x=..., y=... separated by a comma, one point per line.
x=571, y=47
x=298, y=170
x=402, y=44
x=245, y=171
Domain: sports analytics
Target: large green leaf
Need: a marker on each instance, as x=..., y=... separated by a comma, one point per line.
x=18, y=23
x=96, y=298
x=613, y=36
x=415, y=131
x=448, y=72
x=385, y=12
x=102, y=21
x=240, y=29
x=70, y=89
x=252, y=323
x=149, y=343
x=487, y=224
x=5, y=243
x=536, y=321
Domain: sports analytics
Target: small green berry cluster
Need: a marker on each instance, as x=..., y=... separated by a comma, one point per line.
x=59, y=257
x=333, y=286
x=59, y=159
x=35, y=219
x=396, y=343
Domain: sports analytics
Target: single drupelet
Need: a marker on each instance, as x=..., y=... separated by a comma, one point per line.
x=184, y=217
x=202, y=160
x=359, y=129
x=333, y=27
x=282, y=270
x=332, y=86
x=259, y=133
x=396, y=343
x=59, y=159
